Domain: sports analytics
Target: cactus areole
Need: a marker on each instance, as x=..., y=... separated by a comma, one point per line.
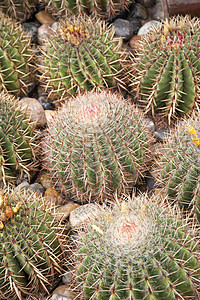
x=166, y=72
x=137, y=252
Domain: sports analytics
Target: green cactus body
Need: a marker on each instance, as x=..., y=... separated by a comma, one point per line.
x=167, y=68
x=17, y=150
x=80, y=56
x=15, y=56
x=30, y=251
x=17, y=9
x=96, y=144
x=137, y=251
x=181, y=166
x=103, y=9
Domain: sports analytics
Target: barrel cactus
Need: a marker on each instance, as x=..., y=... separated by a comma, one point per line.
x=80, y=55
x=17, y=149
x=30, y=249
x=180, y=165
x=104, y=9
x=137, y=251
x=166, y=69
x=17, y=9
x=15, y=57
x=96, y=144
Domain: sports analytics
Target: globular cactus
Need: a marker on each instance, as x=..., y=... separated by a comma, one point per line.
x=15, y=57
x=180, y=165
x=17, y=9
x=18, y=152
x=96, y=144
x=104, y=9
x=166, y=68
x=137, y=251
x=30, y=249
x=81, y=55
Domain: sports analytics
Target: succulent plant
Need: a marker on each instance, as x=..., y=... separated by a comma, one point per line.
x=96, y=144
x=180, y=165
x=166, y=69
x=30, y=249
x=103, y=9
x=137, y=251
x=81, y=55
x=17, y=149
x=17, y=9
x=15, y=56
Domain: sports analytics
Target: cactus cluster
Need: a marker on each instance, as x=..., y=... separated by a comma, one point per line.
x=17, y=9
x=180, y=165
x=96, y=144
x=104, y=9
x=137, y=251
x=15, y=56
x=166, y=70
x=81, y=55
x=17, y=149
x=30, y=249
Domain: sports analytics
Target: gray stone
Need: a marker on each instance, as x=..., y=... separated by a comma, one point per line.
x=83, y=214
x=138, y=11
x=123, y=28
x=136, y=24
x=157, y=12
x=24, y=185
x=147, y=27
x=161, y=134
x=31, y=29
x=37, y=188
x=146, y=3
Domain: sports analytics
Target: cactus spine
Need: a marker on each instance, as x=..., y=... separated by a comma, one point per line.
x=17, y=149
x=137, y=251
x=180, y=165
x=96, y=144
x=15, y=56
x=80, y=56
x=30, y=250
x=166, y=74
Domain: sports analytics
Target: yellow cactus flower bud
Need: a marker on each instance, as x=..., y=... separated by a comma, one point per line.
x=194, y=136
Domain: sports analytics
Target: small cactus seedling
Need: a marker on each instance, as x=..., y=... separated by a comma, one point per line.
x=96, y=144
x=103, y=9
x=30, y=250
x=81, y=55
x=180, y=165
x=166, y=72
x=137, y=251
x=17, y=149
x=15, y=56
x=18, y=9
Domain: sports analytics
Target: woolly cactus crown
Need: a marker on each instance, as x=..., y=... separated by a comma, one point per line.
x=137, y=251
x=166, y=72
x=97, y=144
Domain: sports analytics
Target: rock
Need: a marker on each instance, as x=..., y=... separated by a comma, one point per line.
x=83, y=214
x=147, y=27
x=138, y=11
x=43, y=17
x=37, y=188
x=67, y=277
x=43, y=32
x=63, y=212
x=147, y=3
x=45, y=180
x=24, y=185
x=32, y=108
x=136, y=24
x=53, y=198
x=157, y=12
x=134, y=42
x=63, y=292
x=31, y=29
x=55, y=26
x=47, y=106
x=123, y=28
x=161, y=134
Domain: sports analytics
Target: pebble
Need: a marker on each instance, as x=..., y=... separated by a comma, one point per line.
x=157, y=12
x=123, y=28
x=147, y=27
x=138, y=11
x=161, y=134
x=22, y=185
x=147, y=3
x=43, y=32
x=67, y=277
x=63, y=292
x=37, y=188
x=32, y=108
x=136, y=24
x=63, y=212
x=47, y=106
x=45, y=180
x=134, y=42
x=52, y=197
x=44, y=17
x=83, y=214
x=31, y=29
